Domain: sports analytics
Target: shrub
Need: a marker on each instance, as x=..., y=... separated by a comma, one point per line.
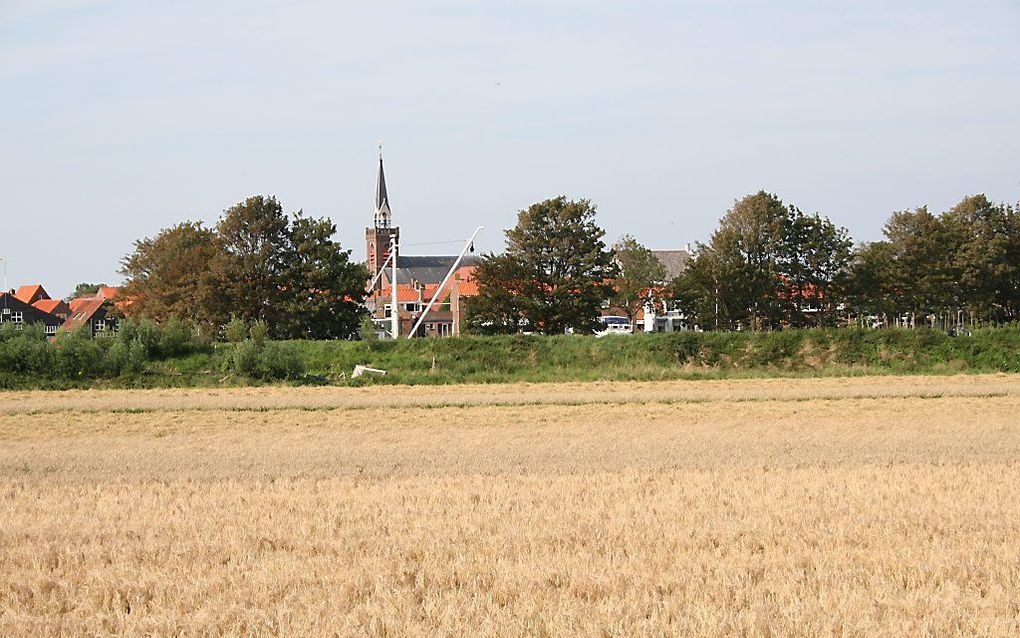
x=367, y=330
x=244, y=359
x=77, y=354
x=237, y=330
x=280, y=361
x=273, y=361
x=144, y=331
x=25, y=351
x=259, y=333
x=177, y=338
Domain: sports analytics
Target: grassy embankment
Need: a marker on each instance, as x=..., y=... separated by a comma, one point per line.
x=573, y=358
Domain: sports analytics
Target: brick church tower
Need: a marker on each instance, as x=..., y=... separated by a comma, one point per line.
x=382, y=234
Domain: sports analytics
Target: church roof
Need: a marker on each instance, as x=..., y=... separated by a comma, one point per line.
x=382, y=199
x=380, y=188
x=429, y=269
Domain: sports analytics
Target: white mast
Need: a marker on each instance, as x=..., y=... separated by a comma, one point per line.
x=394, y=313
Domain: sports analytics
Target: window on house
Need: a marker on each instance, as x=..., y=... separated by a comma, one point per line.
x=17, y=317
x=411, y=307
x=50, y=330
x=444, y=329
x=100, y=325
x=388, y=310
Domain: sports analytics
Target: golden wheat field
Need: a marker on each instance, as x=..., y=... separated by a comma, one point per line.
x=846, y=507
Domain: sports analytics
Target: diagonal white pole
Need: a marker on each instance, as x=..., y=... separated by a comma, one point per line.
x=394, y=312
x=446, y=279
x=379, y=274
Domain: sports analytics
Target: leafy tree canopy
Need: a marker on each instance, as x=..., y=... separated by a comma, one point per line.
x=256, y=265
x=640, y=274
x=554, y=275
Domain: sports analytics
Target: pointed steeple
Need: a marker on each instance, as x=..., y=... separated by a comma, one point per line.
x=382, y=201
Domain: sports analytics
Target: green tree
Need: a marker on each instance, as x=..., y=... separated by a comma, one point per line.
x=256, y=265
x=169, y=275
x=743, y=259
x=983, y=257
x=695, y=292
x=640, y=274
x=922, y=277
x=557, y=267
x=252, y=263
x=498, y=307
x=762, y=266
x=325, y=289
x=85, y=289
x=869, y=287
x=814, y=266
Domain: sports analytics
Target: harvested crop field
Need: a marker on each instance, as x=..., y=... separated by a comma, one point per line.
x=855, y=506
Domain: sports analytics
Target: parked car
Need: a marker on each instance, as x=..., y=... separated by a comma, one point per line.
x=615, y=326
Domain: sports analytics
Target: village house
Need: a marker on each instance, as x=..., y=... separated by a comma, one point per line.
x=94, y=313
x=661, y=316
x=31, y=304
x=37, y=296
x=20, y=313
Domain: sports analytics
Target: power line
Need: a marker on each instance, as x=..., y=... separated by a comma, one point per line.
x=435, y=243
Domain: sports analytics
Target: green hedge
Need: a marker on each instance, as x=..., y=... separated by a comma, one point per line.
x=164, y=357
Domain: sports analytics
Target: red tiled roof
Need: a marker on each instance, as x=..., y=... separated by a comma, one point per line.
x=81, y=312
x=467, y=285
x=108, y=292
x=52, y=306
x=31, y=293
x=405, y=293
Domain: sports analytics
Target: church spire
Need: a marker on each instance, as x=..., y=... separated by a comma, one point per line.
x=382, y=201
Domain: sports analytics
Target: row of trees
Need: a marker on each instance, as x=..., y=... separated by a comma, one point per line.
x=257, y=265
x=768, y=265
x=963, y=261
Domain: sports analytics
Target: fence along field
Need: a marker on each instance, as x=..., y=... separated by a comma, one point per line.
x=799, y=507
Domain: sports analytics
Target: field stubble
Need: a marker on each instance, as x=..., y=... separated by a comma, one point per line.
x=796, y=507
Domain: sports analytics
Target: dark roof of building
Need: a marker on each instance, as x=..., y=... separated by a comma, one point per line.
x=675, y=261
x=429, y=269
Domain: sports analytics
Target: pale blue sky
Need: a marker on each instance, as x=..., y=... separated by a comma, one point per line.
x=121, y=118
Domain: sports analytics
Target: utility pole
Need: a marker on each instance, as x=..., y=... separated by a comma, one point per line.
x=394, y=312
x=6, y=309
x=717, y=308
